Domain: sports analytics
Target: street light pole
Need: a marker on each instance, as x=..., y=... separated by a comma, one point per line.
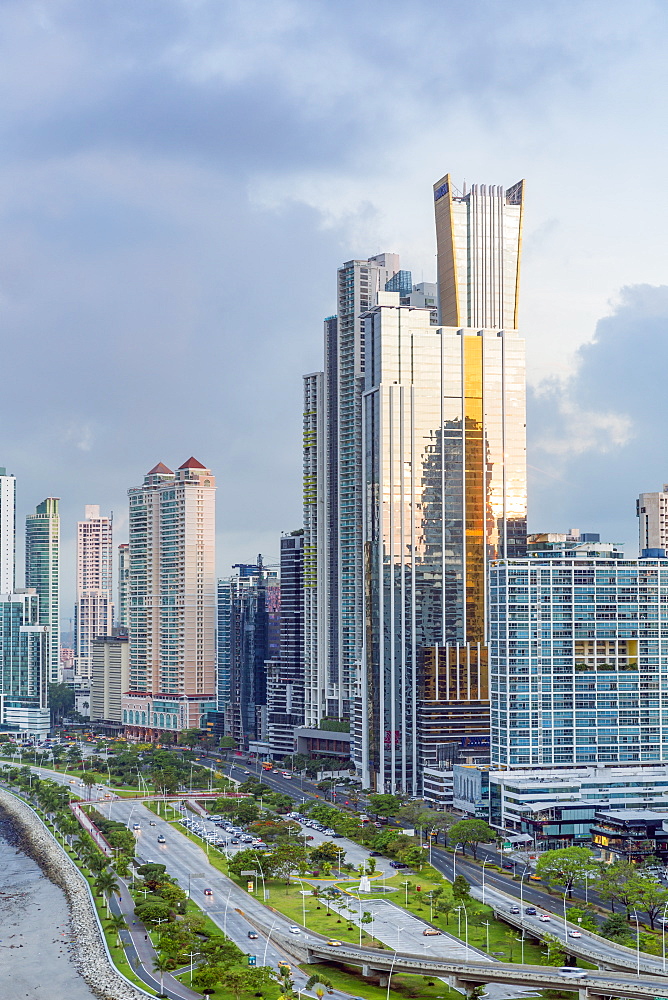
x=663, y=936
x=483, y=881
x=637, y=943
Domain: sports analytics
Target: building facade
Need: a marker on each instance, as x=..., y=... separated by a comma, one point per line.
x=24, y=674
x=42, y=556
x=652, y=511
x=285, y=675
x=315, y=549
x=94, y=608
x=478, y=251
x=172, y=602
x=123, y=583
x=579, y=659
x=249, y=607
x=7, y=531
x=110, y=677
x=444, y=480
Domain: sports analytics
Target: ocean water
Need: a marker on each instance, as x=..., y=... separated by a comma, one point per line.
x=34, y=930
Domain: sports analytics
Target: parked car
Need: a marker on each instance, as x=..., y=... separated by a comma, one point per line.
x=397, y=864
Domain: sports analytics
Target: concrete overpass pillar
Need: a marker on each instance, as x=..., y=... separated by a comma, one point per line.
x=370, y=973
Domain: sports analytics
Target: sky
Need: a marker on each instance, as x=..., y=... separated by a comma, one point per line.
x=179, y=180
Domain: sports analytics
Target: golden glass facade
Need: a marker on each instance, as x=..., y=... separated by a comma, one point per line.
x=444, y=479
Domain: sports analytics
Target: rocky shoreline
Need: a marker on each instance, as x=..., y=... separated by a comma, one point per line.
x=89, y=953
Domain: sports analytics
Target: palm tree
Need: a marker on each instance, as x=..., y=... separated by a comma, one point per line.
x=106, y=884
x=117, y=923
x=162, y=964
x=323, y=981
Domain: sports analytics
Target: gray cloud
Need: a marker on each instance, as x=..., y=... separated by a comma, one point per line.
x=598, y=440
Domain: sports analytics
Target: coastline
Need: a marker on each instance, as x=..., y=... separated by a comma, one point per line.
x=89, y=954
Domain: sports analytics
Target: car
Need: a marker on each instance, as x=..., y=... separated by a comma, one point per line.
x=235, y=841
x=575, y=934
x=152, y=823
x=398, y=864
x=571, y=970
x=252, y=935
x=514, y=909
x=328, y=832
x=208, y=892
x=284, y=965
x=136, y=826
x=334, y=944
x=286, y=774
x=310, y=837
x=543, y=916
x=161, y=839
x=375, y=854
x=294, y=929
x=535, y=878
x=530, y=911
x=430, y=932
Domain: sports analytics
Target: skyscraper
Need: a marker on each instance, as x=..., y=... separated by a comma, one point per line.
x=7, y=531
x=285, y=674
x=123, y=582
x=42, y=573
x=94, y=609
x=172, y=601
x=478, y=247
x=23, y=673
x=248, y=636
x=333, y=486
x=444, y=482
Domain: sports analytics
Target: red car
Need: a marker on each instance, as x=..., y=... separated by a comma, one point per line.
x=208, y=892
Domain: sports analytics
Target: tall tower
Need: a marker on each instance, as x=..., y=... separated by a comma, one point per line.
x=478, y=247
x=42, y=574
x=7, y=531
x=94, y=609
x=315, y=550
x=123, y=582
x=172, y=601
x=339, y=558
x=444, y=481
x=285, y=674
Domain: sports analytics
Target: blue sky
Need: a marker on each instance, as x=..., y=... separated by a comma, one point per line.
x=179, y=180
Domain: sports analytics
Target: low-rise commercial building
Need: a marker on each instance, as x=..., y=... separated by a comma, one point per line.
x=631, y=835
x=110, y=677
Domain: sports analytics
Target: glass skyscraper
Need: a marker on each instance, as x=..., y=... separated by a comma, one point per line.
x=444, y=486
x=42, y=573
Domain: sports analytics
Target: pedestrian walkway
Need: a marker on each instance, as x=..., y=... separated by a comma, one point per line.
x=140, y=952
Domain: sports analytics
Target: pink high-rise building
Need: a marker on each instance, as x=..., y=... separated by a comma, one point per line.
x=171, y=602
x=94, y=609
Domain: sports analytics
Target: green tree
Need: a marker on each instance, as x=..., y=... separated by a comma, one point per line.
x=247, y=811
x=61, y=702
x=652, y=898
x=584, y=916
x=151, y=912
x=613, y=882
x=385, y=805
x=117, y=924
x=616, y=929
x=471, y=833
x=327, y=851
x=461, y=890
x=567, y=866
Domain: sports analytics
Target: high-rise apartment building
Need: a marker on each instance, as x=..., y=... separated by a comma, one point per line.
x=172, y=601
x=445, y=486
x=333, y=487
x=285, y=674
x=110, y=677
x=94, y=608
x=42, y=573
x=123, y=583
x=249, y=606
x=7, y=531
x=652, y=511
x=315, y=550
x=24, y=674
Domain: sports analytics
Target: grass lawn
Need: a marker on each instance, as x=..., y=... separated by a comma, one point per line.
x=350, y=979
x=164, y=810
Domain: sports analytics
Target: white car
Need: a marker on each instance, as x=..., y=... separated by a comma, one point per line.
x=543, y=916
x=294, y=929
x=571, y=970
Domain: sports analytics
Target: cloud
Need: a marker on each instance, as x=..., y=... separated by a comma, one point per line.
x=597, y=440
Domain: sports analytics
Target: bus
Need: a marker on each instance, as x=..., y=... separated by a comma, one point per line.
x=267, y=765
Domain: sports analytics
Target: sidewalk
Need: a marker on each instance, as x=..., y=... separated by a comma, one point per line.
x=140, y=952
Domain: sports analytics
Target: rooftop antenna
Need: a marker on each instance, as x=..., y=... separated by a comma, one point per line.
x=464, y=192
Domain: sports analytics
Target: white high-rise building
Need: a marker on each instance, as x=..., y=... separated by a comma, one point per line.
x=652, y=511
x=7, y=531
x=172, y=602
x=94, y=609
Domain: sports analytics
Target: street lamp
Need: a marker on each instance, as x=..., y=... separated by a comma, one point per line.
x=454, y=861
x=266, y=945
x=637, y=942
x=466, y=928
x=565, y=923
x=389, y=978
x=483, y=880
x=405, y=885
x=486, y=923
